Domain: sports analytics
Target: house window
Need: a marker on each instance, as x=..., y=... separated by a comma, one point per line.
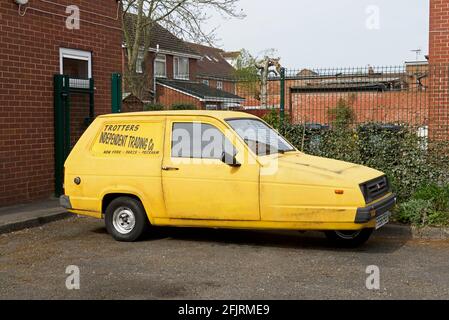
x=206, y=82
x=160, y=66
x=219, y=85
x=212, y=107
x=139, y=62
x=181, y=68
x=75, y=63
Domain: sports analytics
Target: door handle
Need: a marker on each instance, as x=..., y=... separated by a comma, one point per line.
x=170, y=169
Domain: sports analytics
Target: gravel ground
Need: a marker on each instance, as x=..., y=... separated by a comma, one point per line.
x=216, y=264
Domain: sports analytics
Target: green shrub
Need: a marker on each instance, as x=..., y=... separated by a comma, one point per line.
x=414, y=212
x=183, y=106
x=439, y=196
x=342, y=115
x=438, y=218
x=429, y=206
x=153, y=107
x=273, y=119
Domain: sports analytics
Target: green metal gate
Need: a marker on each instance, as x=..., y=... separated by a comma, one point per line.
x=73, y=111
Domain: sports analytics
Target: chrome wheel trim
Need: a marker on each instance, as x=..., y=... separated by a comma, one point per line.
x=348, y=235
x=124, y=220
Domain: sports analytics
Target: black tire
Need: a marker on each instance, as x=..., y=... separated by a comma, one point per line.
x=126, y=219
x=349, y=239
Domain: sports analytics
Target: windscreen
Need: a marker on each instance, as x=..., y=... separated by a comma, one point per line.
x=259, y=137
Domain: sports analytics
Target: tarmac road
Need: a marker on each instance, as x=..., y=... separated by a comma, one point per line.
x=216, y=264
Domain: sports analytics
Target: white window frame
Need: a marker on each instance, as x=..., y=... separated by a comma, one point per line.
x=206, y=82
x=139, y=62
x=220, y=85
x=76, y=55
x=160, y=58
x=211, y=107
x=176, y=64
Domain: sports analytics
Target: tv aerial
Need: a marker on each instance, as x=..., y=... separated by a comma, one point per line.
x=417, y=52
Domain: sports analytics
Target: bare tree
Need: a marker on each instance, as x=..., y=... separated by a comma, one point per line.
x=265, y=68
x=184, y=18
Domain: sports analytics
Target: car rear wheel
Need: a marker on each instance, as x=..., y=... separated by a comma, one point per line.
x=125, y=219
x=349, y=238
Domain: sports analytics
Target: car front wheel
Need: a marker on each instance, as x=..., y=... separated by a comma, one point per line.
x=349, y=238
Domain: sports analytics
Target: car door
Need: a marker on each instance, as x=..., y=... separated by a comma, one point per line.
x=196, y=183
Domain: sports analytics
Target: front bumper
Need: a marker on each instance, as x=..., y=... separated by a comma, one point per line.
x=366, y=214
x=64, y=201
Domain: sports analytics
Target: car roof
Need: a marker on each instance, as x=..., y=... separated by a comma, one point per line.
x=222, y=115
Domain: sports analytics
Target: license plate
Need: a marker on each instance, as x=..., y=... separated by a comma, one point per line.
x=383, y=220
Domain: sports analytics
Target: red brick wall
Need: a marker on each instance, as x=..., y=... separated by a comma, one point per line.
x=132, y=107
x=408, y=106
x=193, y=68
x=439, y=58
x=259, y=112
x=168, y=97
x=29, y=57
x=439, y=32
x=387, y=107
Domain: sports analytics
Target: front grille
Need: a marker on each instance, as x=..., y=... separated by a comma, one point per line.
x=375, y=189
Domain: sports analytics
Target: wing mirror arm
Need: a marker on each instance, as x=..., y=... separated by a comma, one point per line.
x=230, y=160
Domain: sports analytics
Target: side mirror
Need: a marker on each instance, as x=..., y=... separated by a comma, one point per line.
x=230, y=160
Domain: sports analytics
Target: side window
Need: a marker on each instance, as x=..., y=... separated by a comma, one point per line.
x=198, y=141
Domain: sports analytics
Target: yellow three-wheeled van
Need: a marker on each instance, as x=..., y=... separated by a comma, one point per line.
x=219, y=170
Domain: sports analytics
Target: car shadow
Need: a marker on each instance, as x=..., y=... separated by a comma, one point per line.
x=386, y=240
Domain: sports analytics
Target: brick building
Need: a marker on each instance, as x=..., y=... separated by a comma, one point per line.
x=35, y=45
x=213, y=69
x=439, y=59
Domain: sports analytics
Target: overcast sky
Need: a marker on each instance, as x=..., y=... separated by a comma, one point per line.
x=330, y=33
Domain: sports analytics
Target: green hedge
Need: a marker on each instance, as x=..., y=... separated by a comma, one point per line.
x=183, y=106
x=176, y=106
x=153, y=107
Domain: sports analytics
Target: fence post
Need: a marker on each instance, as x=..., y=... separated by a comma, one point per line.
x=116, y=93
x=282, y=111
x=91, y=100
x=62, y=127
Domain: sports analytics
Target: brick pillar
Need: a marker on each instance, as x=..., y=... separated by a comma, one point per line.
x=439, y=70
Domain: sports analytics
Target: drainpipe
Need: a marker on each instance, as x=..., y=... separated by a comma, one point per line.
x=154, y=75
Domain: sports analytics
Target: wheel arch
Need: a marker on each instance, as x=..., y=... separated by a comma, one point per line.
x=111, y=196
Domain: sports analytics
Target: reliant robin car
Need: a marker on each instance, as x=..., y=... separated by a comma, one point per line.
x=216, y=169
